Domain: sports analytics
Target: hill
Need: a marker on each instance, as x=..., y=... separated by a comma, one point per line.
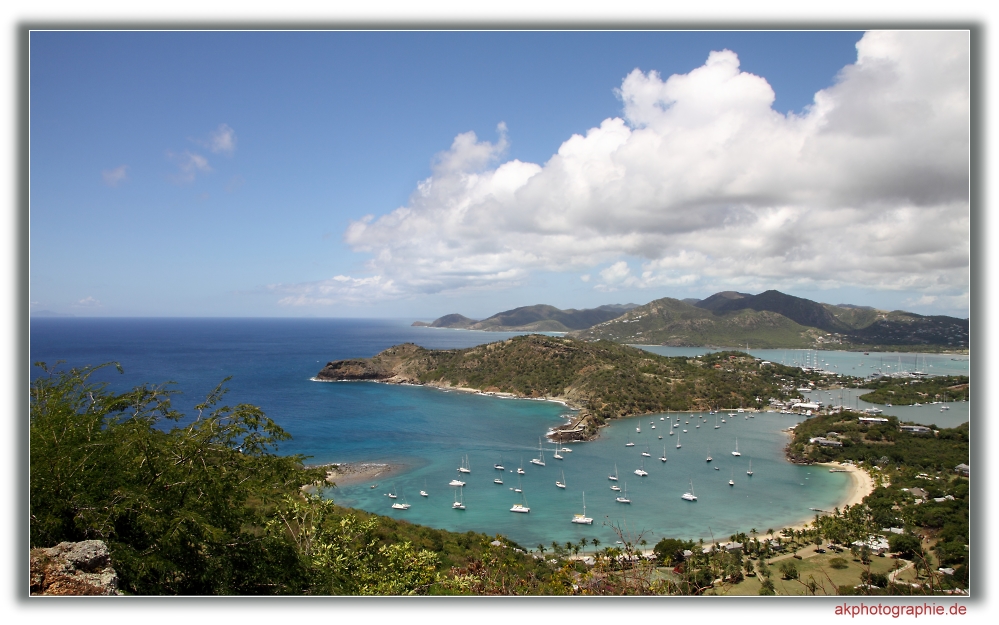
x=604, y=379
x=776, y=320
x=538, y=318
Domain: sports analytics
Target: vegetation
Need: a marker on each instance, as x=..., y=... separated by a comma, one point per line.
x=607, y=379
x=776, y=320
x=208, y=507
x=879, y=444
x=901, y=392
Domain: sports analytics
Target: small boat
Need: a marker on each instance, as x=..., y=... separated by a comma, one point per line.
x=660, y=437
x=736, y=452
x=689, y=495
x=716, y=422
x=613, y=478
x=678, y=441
x=566, y=450
x=662, y=418
x=520, y=507
x=717, y=469
x=629, y=443
x=623, y=498
x=641, y=472
x=750, y=471
x=653, y=427
x=401, y=506
x=709, y=456
x=423, y=493
x=464, y=468
x=723, y=420
x=731, y=480
x=497, y=481
x=582, y=518
x=391, y=495
x=520, y=487
x=671, y=432
x=456, y=483
x=499, y=465
x=616, y=488
x=685, y=431
x=638, y=429
x=561, y=484
x=646, y=452
x=664, y=454
x=540, y=461
x=698, y=425
x=520, y=469
x=459, y=504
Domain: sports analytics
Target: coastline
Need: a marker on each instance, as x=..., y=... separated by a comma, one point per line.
x=351, y=473
x=861, y=485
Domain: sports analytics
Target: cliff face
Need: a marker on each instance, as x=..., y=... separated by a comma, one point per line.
x=82, y=568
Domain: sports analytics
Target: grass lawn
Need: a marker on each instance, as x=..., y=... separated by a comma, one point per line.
x=816, y=566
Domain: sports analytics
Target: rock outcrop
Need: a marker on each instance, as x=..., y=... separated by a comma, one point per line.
x=82, y=568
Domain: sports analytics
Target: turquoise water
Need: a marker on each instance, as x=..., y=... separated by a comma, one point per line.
x=427, y=431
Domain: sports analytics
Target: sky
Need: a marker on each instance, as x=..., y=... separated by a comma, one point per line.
x=416, y=174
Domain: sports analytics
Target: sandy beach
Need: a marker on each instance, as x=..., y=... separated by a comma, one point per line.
x=861, y=485
x=349, y=473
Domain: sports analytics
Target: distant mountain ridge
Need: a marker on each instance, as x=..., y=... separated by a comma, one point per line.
x=537, y=318
x=776, y=320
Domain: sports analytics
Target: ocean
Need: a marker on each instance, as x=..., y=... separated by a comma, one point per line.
x=427, y=431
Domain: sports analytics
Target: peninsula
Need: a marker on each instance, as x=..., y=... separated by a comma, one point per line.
x=602, y=379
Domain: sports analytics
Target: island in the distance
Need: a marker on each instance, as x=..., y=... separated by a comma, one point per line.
x=602, y=380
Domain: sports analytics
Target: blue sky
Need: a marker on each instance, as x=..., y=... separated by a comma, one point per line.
x=332, y=174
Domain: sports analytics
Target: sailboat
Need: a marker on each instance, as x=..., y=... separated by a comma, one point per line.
x=498, y=480
x=540, y=461
x=582, y=518
x=391, y=495
x=709, y=456
x=678, y=441
x=499, y=465
x=638, y=429
x=629, y=443
x=716, y=422
x=423, y=493
x=561, y=484
x=455, y=482
x=750, y=471
x=520, y=487
x=664, y=454
x=464, y=468
x=520, y=507
x=623, y=498
x=401, y=506
x=731, y=480
x=736, y=452
x=459, y=504
x=613, y=478
x=689, y=495
x=646, y=452
x=557, y=455
x=641, y=472
x=520, y=469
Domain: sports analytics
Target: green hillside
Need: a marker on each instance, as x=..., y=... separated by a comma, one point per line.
x=603, y=378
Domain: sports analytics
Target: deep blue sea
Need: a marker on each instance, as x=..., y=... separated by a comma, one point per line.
x=427, y=431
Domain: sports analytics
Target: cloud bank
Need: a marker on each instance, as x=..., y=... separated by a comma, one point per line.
x=702, y=182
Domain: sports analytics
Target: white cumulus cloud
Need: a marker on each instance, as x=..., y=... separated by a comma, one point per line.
x=701, y=181
x=189, y=165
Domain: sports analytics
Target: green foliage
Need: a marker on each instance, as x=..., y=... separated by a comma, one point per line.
x=180, y=509
x=906, y=545
x=908, y=392
x=923, y=451
x=767, y=587
x=788, y=570
x=209, y=508
x=669, y=551
x=838, y=563
x=610, y=380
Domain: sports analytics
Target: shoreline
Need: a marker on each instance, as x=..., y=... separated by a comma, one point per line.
x=861, y=485
x=352, y=473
